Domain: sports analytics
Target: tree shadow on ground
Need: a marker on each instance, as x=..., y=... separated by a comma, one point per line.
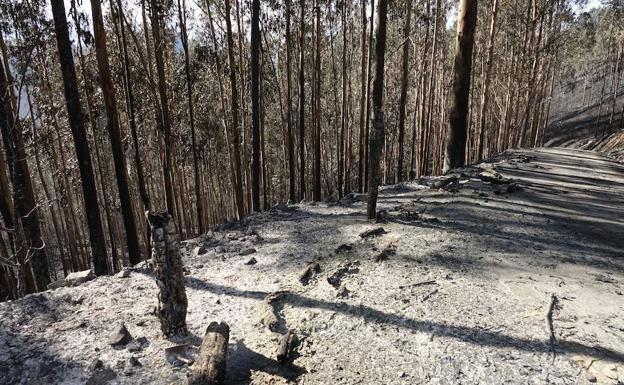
x=472, y=335
x=242, y=361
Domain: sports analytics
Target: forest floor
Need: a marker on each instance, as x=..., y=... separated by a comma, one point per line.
x=468, y=277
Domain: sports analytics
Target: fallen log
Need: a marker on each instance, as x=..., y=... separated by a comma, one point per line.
x=209, y=367
x=286, y=347
x=373, y=232
x=444, y=181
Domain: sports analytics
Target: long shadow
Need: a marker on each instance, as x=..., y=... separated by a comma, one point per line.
x=243, y=360
x=30, y=361
x=472, y=335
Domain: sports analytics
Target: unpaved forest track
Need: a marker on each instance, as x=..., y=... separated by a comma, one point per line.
x=460, y=295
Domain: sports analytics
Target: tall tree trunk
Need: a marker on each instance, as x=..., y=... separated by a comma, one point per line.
x=165, y=121
x=455, y=149
x=26, y=212
x=77, y=126
x=255, y=105
x=238, y=179
x=403, y=97
x=302, y=102
x=291, y=145
x=485, y=94
x=377, y=135
x=189, y=96
x=317, y=108
x=368, y=98
x=363, y=81
x=114, y=130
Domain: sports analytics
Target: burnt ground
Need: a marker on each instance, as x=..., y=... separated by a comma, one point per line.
x=456, y=291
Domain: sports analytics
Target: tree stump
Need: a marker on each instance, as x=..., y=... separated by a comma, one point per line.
x=169, y=276
x=209, y=367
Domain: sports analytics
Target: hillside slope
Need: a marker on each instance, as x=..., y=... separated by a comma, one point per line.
x=460, y=294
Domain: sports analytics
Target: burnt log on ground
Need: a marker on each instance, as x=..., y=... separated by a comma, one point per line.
x=210, y=365
x=169, y=274
x=286, y=347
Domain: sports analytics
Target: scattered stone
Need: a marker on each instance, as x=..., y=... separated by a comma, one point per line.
x=248, y=251
x=101, y=377
x=199, y=250
x=512, y=188
x=343, y=292
x=137, y=344
x=95, y=365
x=220, y=249
x=344, y=247
x=309, y=272
x=73, y=279
x=373, y=232
x=591, y=378
x=124, y=273
x=251, y=261
x=493, y=177
x=121, y=336
x=343, y=270
x=444, y=181
x=385, y=253
x=181, y=354
x=133, y=361
x=604, y=278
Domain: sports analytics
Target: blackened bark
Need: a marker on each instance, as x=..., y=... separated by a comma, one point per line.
x=455, y=148
x=114, y=131
x=165, y=121
x=76, y=123
x=26, y=213
x=302, y=102
x=169, y=275
x=403, y=97
x=238, y=179
x=377, y=134
x=291, y=145
x=255, y=105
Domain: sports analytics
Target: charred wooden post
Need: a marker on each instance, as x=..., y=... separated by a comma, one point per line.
x=168, y=272
x=209, y=367
x=286, y=347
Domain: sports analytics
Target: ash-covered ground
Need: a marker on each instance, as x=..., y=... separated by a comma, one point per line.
x=458, y=288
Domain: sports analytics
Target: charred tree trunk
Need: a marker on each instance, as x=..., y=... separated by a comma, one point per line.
x=189, y=96
x=114, y=130
x=403, y=98
x=255, y=105
x=238, y=179
x=361, y=143
x=455, y=149
x=33, y=251
x=486, y=83
x=302, y=102
x=291, y=144
x=377, y=136
x=317, y=108
x=172, y=301
x=76, y=123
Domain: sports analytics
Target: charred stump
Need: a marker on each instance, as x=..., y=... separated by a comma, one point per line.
x=209, y=367
x=172, y=301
